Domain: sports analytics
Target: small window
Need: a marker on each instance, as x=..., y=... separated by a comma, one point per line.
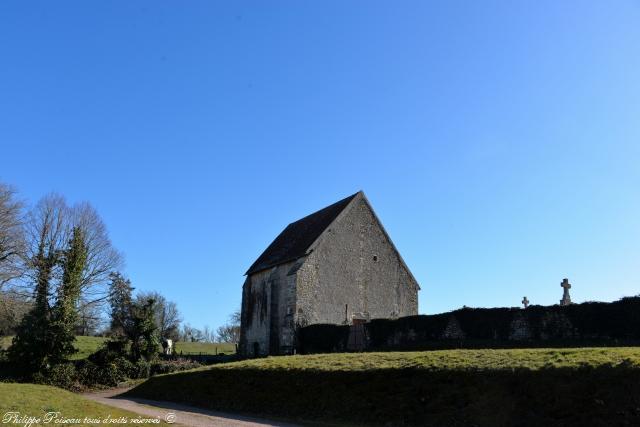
x=375, y=258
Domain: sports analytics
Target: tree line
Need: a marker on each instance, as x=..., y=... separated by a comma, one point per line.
x=60, y=277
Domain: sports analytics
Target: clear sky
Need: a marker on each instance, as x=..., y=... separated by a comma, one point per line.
x=499, y=142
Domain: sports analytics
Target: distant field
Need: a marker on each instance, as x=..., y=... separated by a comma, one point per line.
x=33, y=400
x=88, y=345
x=204, y=348
x=528, y=387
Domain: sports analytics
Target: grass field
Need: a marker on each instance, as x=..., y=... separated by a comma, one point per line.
x=204, y=348
x=37, y=400
x=88, y=345
x=526, y=387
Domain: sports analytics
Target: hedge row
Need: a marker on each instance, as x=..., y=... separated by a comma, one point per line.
x=102, y=369
x=590, y=323
x=591, y=396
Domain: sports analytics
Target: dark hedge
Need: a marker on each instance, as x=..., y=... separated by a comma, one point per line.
x=586, y=324
x=581, y=396
x=323, y=338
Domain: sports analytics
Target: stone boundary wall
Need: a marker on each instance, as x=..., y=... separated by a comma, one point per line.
x=577, y=325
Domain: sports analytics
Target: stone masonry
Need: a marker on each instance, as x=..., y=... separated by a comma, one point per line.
x=335, y=266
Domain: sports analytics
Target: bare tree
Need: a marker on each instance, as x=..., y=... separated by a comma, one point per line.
x=208, y=334
x=47, y=232
x=13, y=307
x=197, y=335
x=235, y=317
x=48, y=229
x=102, y=257
x=90, y=318
x=166, y=314
x=190, y=334
x=32, y=248
x=230, y=332
x=12, y=241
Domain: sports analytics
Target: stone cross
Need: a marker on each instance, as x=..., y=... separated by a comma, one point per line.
x=525, y=302
x=566, y=298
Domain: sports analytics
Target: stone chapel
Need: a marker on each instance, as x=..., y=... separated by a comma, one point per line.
x=337, y=265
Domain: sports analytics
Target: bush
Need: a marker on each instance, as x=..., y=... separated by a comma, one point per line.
x=168, y=366
x=111, y=375
x=107, y=367
x=63, y=375
x=85, y=374
x=323, y=338
x=111, y=351
x=127, y=367
x=88, y=372
x=141, y=369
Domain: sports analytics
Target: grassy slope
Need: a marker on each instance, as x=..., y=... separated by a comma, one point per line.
x=36, y=400
x=84, y=345
x=88, y=345
x=531, y=387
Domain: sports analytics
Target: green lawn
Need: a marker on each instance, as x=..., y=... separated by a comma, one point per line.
x=528, y=387
x=33, y=400
x=88, y=345
x=477, y=360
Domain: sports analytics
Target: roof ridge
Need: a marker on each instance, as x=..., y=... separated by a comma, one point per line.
x=293, y=242
x=348, y=198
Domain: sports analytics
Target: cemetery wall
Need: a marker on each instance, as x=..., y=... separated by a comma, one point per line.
x=576, y=325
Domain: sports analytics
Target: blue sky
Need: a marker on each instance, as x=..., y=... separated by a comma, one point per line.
x=499, y=142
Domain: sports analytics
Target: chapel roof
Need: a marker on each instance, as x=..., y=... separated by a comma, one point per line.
x=294, y=241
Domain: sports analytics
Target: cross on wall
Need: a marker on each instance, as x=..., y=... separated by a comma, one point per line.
x=525, y=302
x=566, y=298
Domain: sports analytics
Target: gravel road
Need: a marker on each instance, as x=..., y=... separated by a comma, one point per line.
x=176, y=413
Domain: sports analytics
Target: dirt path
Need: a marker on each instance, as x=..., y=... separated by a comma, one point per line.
x=177, y=413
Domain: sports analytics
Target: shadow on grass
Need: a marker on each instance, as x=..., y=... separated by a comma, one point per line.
x=585, y=396
x=173, y=406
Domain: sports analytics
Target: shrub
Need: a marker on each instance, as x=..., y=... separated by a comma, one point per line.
x=168, y=366
x=111, y=351
x=7, y=373
x=141, y=369
x=111, y=375
x=85, y=374
x=88, y=372
x=63, y=375
x=323, y=338
x=125, y=366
